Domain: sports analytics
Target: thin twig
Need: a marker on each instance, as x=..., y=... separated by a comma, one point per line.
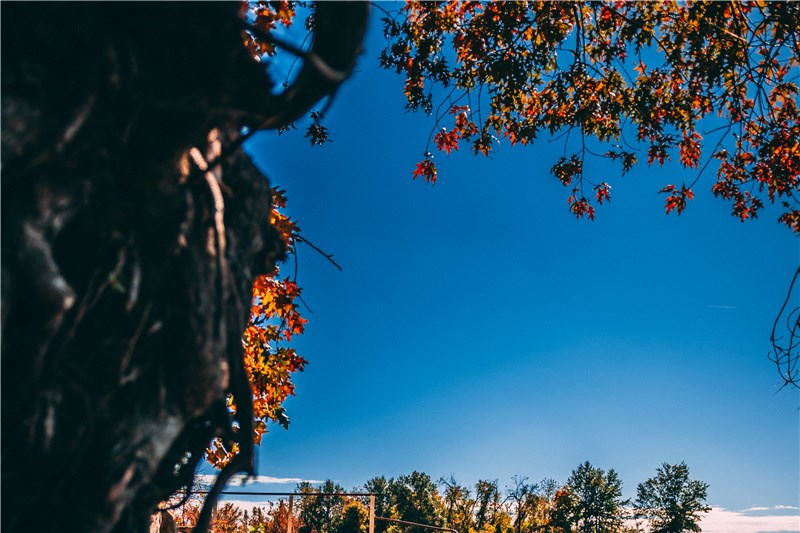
x=329, y=257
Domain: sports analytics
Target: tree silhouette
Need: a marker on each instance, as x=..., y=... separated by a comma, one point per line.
x=671, y=501
x=591, y=501
x=132, y=232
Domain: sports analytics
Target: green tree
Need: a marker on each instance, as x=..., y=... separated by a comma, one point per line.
x=320, y=512
x=417, y=500
x=671, y=501
x=384, y=500
x=591, y=501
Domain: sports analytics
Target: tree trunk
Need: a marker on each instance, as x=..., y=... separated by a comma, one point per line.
x=126, y=268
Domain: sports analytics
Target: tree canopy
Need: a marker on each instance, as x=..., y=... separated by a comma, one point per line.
x=712, y=84
x=671, y=501
x=589, y=501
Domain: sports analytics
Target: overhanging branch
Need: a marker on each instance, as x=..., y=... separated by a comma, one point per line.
x=785, y=347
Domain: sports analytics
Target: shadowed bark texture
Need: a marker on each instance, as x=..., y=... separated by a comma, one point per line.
x=126, y=265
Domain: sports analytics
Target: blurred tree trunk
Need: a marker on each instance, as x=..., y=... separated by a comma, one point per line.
x=126, y=269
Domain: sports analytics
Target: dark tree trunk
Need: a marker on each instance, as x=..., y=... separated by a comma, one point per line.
x=126, y=269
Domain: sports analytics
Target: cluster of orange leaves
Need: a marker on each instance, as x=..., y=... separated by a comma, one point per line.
x=266, y=15
x=556, y=67
x=677, y=197
x=274, y=319
x=274, y=312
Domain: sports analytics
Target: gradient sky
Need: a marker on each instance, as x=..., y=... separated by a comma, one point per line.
x=479, y=330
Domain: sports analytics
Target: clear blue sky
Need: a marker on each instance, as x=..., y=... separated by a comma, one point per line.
x=479, y=330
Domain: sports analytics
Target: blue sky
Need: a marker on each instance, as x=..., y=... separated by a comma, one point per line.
x=479, y=330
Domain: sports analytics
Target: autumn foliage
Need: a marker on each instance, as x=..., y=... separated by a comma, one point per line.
x=700, y=82
x=274, y=319
x=274, y=313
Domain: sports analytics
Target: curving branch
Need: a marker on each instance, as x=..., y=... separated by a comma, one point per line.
x=338, y=34
x=785, y=337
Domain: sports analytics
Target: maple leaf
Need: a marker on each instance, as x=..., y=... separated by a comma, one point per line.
x=426, y=169
x=676, y=201
x=446, y=141
x=603, y=192
x=690, y=150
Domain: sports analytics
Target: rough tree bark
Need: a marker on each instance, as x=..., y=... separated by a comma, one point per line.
x=127, y=269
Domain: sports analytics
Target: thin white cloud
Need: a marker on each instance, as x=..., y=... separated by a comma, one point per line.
x=773, y=508
x=721, y=520
x=282, y=480
x=239, y=480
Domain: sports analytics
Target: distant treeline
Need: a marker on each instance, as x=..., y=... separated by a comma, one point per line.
x=590, y=501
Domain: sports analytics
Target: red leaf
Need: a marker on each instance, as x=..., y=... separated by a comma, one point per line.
x=427, y=170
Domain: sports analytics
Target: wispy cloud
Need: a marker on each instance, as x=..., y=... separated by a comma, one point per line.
x=240, y=480
x=283, y=480
x=773, y=508
x=721, y=520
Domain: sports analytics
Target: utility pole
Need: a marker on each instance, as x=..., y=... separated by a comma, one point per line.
x=371, y=513
x=290, y=517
